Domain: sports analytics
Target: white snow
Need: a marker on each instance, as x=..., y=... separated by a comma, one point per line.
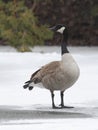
x=61, y=124
x=16, y=68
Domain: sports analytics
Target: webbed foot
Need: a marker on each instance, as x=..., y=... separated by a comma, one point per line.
x=66, y=107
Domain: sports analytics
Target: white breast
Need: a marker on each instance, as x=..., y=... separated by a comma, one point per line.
x=63, y=77
x=71, y=69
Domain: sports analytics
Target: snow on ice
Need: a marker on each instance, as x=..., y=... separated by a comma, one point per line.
x=16, y=68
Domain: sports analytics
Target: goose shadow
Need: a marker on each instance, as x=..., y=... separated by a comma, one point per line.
x=17, y=112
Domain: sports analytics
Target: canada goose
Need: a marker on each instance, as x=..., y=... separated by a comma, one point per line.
x=57, y=75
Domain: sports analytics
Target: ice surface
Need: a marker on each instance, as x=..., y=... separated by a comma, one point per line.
x=33, y=108
x=61, y=124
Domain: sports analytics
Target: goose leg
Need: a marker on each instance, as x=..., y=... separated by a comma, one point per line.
x=62, y=101
x=53, y=104
x=62, y=98
x=52, y=96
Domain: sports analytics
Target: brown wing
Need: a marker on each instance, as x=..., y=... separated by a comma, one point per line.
x=44, y=71
x=34, y=73
x=50, y=68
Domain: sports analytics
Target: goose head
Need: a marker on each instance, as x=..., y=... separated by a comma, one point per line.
x=59, y=28
x=62, y=29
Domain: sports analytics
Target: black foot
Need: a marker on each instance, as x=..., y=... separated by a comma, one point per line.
x=67, y=107
x=30, y=88
x=55, y=107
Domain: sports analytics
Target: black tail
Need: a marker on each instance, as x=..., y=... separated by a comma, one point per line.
x=27, y=85
x=28, y=82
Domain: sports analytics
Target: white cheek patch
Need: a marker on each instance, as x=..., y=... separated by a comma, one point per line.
x=61, y=30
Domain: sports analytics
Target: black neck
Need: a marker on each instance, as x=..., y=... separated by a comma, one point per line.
x=64, y=43
x=64, y=48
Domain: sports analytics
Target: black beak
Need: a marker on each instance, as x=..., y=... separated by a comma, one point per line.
x=53, y=28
